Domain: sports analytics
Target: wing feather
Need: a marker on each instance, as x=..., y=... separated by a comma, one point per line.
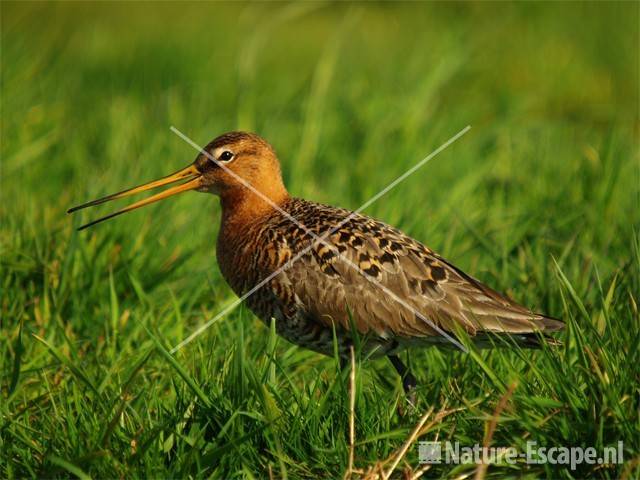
x=400, y=288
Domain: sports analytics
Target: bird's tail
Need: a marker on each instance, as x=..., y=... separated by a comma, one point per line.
x=536, y=340
x=546, y=324
x=550, y=324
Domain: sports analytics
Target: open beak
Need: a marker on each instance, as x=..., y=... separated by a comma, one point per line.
x=190, y=174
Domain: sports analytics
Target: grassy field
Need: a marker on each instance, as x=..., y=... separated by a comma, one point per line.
x=539, y=199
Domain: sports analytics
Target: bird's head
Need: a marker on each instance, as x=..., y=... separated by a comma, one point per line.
x=242, y=168
x=238, y=161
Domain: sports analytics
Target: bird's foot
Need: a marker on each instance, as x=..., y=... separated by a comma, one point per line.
x=407, y=405
x=409, y=384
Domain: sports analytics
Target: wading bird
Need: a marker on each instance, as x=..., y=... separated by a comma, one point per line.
x=321, y=269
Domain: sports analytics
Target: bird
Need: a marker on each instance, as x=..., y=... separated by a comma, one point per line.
x=330, y=276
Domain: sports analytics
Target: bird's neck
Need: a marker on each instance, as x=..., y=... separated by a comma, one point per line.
x=242, y=206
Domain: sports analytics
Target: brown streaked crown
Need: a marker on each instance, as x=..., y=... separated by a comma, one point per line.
x=237, y=137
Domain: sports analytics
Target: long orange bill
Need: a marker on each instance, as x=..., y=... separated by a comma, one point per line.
x=191, y=174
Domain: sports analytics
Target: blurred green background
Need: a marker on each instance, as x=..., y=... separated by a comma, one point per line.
x=539, y=199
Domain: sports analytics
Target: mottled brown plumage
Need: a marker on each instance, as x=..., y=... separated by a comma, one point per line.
x=397, y=291
x=320, y=289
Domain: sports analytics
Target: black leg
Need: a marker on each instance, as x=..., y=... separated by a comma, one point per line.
x=408, y=381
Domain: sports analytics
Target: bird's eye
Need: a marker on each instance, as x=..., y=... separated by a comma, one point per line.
x=225, y=156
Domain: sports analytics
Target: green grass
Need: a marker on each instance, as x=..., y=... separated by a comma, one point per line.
x=539, y=199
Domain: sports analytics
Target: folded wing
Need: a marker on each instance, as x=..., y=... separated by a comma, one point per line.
x=392, y=285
